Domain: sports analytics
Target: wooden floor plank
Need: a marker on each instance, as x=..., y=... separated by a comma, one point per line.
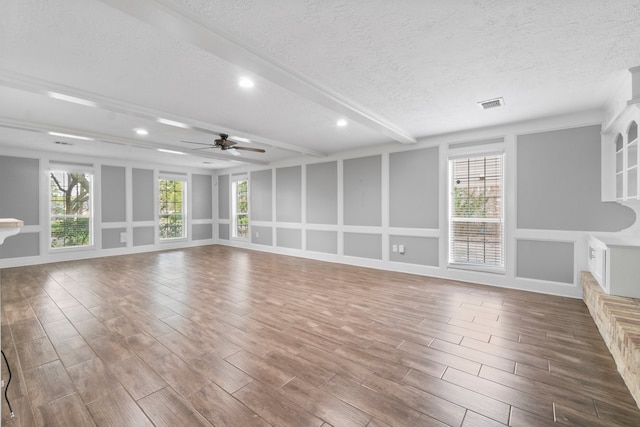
x=216, y=335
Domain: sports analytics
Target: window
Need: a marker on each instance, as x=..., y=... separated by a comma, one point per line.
x=172, y=208
x=240, y=208
x=70, y=209
x=476, y=227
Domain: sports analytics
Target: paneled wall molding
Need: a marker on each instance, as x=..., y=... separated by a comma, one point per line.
x=113, y=180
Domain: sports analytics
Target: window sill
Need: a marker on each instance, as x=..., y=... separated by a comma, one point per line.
x=173, y=240
x=63, y=249
x=477, y=268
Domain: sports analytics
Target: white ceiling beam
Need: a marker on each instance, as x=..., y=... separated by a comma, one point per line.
x=192, y=29
x=44, y=87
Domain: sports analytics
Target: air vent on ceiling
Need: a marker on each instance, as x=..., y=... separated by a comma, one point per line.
x=63, y=143
x=491, y=103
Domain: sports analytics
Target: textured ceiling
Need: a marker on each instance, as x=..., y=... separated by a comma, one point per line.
x=396, y=70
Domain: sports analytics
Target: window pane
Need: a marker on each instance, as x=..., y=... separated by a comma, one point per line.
x=171, y=209
x=476, y=231
x=70, y=214
x=240, y=208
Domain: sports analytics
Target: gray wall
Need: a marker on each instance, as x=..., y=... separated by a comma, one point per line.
x=143, y=236
x=417, y=250
x=113, y=194
x=202, y=196
x=201, y=231
x=111, y=238
x=19, y=189
x=363, y=245
x=363, y=191
x=260, y=203
x=559, y=183
x=289, y=194
x=20, y=245
x=414, y=188
x=544, y=260
x=262, y=235
x=142, y=189
x=223, y=197
x=322, y=241
x=289, y=238
x=322, y=193
x=223, y=231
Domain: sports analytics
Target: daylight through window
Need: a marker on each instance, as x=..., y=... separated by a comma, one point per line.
x=476, y=228
x=70, y=209
x=172, y=208
x=240, y=206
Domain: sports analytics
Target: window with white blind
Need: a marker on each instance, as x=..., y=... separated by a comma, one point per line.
x=476, y=211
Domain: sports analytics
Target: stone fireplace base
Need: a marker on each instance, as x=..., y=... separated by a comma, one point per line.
x=618, y=320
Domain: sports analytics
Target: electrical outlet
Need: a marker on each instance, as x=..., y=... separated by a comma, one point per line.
x=394, y=248
x=123, y=237
x=401, y=249
x=257, y=234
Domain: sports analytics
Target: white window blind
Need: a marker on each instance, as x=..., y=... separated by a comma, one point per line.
x=476, y=227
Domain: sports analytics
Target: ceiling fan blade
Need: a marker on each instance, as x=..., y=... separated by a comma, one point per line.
x=257, y=150
x=204, y=148
x=199, y=143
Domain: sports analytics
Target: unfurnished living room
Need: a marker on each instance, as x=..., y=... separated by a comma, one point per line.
x=320, y=213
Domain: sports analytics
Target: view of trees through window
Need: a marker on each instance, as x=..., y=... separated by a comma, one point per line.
x=70, y=216
x=241, y=209
x=172, y=209
x=476, y=230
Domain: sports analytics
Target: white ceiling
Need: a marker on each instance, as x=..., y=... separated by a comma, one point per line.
x=396, y=70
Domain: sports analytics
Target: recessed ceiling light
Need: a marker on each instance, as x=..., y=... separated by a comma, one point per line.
x=245, y=82
x=69, y=98
x=141, y=132
x=68, y=135
x=341, y=123
x=173, y=123
x=170, y=151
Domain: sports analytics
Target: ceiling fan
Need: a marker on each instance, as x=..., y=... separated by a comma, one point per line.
x=224, y=143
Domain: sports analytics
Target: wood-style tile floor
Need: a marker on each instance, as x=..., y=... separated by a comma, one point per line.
x=229, y=337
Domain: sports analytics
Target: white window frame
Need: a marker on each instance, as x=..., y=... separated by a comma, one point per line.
x=185, y=229
x=234, y=215
x=480, y=150
x=64, y=168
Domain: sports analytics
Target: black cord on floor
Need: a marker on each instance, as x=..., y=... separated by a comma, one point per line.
x=6, y=388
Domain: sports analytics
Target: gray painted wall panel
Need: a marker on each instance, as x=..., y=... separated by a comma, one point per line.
x=363, y=245
x=322, y=193
x=201, y=231
x=202, y=194
x=143, y=236
x=262, y=235
x=414, y=188
x=19, y=189
x=289, y=238
x=545, y=260
x=559, y=183
x=111, y=238
x=113, y=194
x=223, y=197
x=322, y=241
x=20, y=245
x=223, y=231
x=289, y=194
x=417, y=250
x=260, y=194
x=142, y=189
x=363, y=191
